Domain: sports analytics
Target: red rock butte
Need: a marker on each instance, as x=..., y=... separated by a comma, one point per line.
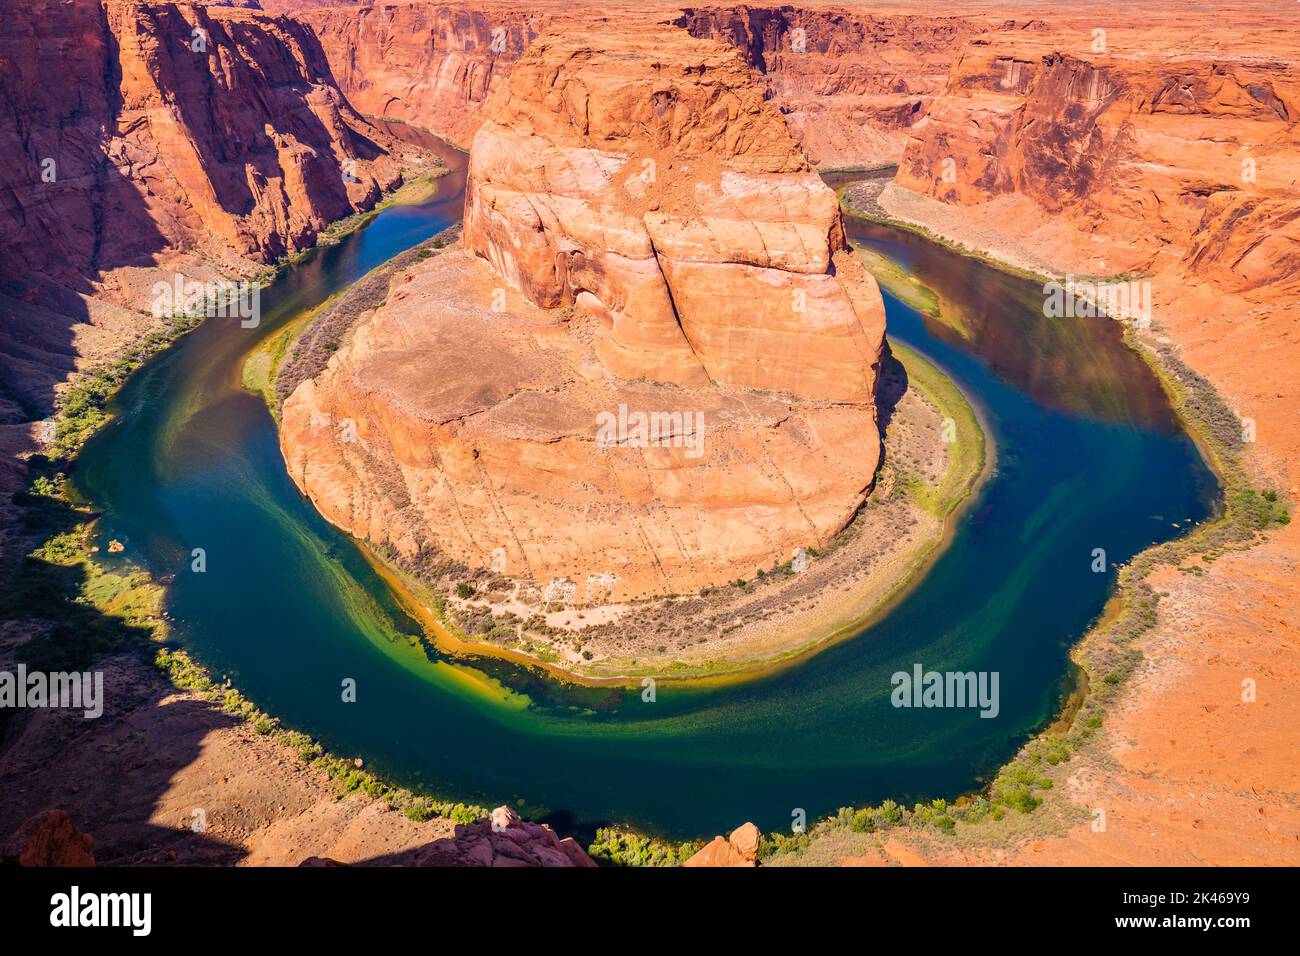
x=642, y=237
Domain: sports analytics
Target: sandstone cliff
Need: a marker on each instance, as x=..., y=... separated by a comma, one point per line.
x=1162, y=144
x=658, y=247
x=172, y=128
x=849, y=84
x=200, y=140
x=1163, y=160
x=430, y=64
x=668, y=199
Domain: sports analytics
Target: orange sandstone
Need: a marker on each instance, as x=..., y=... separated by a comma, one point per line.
x=650, y=241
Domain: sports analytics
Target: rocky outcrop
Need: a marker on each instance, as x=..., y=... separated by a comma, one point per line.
x=503, y=839
x=849, y=84
x=173, y=128
x=48, y=839
x=656, y=373
x=739, y=849
x=1161, y=159
x=426, y=63
x=667, y=199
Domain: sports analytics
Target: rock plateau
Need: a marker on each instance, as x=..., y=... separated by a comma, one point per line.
x=642, y=236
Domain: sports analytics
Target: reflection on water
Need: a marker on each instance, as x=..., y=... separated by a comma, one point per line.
x=1075, y=365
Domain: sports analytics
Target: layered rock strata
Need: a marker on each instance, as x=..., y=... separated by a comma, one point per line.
x=426, y=63
x=141, y=129
x=849, y=84
x=653, y=368
x=1128, y=163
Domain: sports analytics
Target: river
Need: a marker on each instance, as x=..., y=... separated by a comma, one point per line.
x=1088, y=455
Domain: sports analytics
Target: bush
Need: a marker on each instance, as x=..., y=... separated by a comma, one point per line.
x=617, y=848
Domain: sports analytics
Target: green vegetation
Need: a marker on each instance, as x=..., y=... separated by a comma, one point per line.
x=966, y=447
x=899, y=283
x=261, y=368
x=183, y=672
x=620, y=848
x=90, y=610
x=80, y=608
x=82, y=410
x=76, y=610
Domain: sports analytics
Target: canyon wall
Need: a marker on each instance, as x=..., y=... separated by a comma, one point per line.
x=849, y=84
x=1166, y=159
x=1159, y=148
x=644, y=240
x=426, y=63
x=143, y=128
x=148, y=139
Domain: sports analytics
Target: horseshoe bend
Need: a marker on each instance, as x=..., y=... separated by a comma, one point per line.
x=649, y=368
x=865, y=432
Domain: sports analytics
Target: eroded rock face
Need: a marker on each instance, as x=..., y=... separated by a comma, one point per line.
x=140, y=129
x=501, y=840
x=850, y=84
x=48, y=839
x=1156, y=159
x=426, y=63
x=494, y=399
x=666, y=197
x=740, y=849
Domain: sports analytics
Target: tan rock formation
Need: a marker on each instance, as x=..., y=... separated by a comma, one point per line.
x=48, y=839
x=848, y=83
x=665, y=197
x=496, y=409
x=1171, y=153
x=426, y=63
x=1140, y=162
x=740, y=849
x=501, y=840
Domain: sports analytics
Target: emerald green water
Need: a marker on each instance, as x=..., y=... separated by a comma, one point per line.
x=1088, y=456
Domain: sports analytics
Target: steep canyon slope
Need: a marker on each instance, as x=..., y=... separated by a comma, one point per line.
x=1158, y=151
x=1167, y=153
x=149, y=135
x=146, y=141
x=848, y=83
x=1157, y=146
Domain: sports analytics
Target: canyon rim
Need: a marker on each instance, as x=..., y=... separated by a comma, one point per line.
x=666, y=343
